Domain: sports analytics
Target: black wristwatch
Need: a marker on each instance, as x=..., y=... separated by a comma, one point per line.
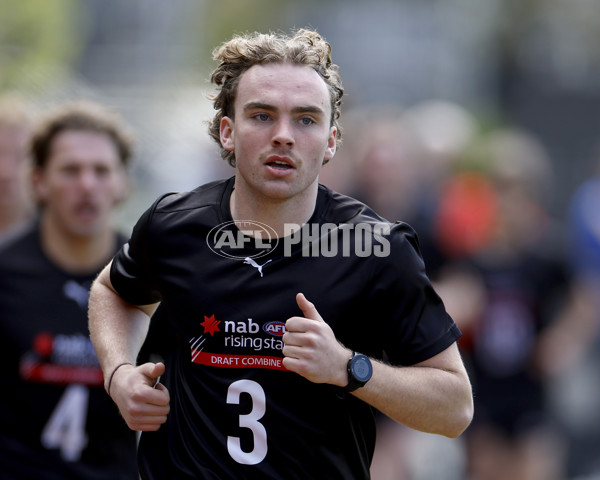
x=359, y=371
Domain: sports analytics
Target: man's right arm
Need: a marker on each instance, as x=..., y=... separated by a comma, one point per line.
x=117, y=330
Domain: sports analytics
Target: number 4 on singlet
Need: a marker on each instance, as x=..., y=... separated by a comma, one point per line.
x=251, y=421
x=66, y=427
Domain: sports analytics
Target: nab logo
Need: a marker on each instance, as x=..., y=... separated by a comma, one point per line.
x=275, y=328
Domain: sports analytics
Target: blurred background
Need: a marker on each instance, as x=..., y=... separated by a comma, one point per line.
x=476, y=121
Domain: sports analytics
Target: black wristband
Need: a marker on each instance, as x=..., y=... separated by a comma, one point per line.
x=113, y=374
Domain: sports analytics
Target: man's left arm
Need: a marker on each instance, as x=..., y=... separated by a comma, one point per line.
x=433, y=396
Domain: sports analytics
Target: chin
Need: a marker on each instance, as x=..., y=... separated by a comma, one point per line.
x=87, y=230
x=276, y=189
x=279, y=194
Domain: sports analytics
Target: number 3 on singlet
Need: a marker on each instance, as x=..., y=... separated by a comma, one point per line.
x=251, y=421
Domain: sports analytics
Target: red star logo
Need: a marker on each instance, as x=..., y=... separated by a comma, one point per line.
x=211, y=325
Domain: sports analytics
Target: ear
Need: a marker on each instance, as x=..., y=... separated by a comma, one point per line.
x=227, y=134
x=38, y=185
x=331, y=145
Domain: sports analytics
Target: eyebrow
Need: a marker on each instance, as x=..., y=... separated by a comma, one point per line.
x=272, y=108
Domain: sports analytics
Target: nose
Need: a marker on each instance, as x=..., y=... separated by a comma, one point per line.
x=283, y=134
x=88, y=179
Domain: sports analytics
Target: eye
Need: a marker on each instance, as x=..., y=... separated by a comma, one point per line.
x=306, y=121
x=263, y=117
x=70, y=170
x=102, y=171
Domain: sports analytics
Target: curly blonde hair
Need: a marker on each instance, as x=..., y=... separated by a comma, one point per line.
x=236, y=56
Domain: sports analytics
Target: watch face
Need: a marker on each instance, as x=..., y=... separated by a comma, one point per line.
x=361, y=368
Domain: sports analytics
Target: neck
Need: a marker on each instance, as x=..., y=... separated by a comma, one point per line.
x=276, y=213
x=80, y=254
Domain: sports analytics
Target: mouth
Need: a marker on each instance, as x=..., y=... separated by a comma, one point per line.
x=279, y=163
x=86, y=211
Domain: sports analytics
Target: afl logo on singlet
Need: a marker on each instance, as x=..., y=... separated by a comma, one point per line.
x=275, y=328
x=242, y=239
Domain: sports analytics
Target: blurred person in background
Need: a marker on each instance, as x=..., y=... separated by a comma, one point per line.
x=388, y=162
x=506, y=285
x=444, y=130
x=16, y=205
x=573, y=348
x=56, y=421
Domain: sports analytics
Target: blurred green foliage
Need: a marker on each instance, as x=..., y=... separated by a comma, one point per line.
x=39, y=41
